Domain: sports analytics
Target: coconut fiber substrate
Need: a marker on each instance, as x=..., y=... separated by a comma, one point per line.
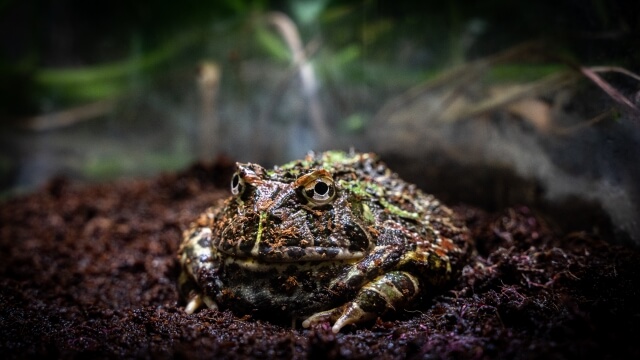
x=90, y=271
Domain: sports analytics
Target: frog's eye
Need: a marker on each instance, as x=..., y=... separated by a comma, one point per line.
x=319, y=191
x=237, y=184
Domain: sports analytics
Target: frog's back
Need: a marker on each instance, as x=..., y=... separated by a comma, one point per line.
x=398, y=210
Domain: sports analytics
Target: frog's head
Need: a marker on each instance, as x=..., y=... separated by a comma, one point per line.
x=297, y=214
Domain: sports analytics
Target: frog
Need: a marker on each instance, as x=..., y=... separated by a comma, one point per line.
x=335, y=237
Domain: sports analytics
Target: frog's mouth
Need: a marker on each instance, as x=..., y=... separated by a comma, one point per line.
x=298, y=254
x=239, y=240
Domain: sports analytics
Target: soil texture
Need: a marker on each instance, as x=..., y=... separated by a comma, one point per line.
x=91, y=270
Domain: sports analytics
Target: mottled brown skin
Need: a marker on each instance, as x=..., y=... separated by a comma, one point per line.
x=334, y=237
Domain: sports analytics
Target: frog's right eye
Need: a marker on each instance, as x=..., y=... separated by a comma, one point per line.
x=237, y=184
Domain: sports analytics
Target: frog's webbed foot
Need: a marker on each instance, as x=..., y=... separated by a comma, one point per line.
x=388, y=291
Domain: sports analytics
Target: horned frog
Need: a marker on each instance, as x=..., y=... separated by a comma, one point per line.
x=334, y=237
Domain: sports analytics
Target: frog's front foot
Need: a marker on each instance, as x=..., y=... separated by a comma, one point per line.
x=193, y=296
x=385, y=292
x=349, y=313
x=196, y=302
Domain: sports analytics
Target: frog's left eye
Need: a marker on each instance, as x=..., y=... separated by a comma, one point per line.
x=237, y=184
x=319, y=191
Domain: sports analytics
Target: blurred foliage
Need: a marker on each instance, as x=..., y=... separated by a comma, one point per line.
x=57, y=53
x=524, y=72
x=111, y=79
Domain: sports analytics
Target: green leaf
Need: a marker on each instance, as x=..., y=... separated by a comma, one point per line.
x=308, y=11
x=273, y=44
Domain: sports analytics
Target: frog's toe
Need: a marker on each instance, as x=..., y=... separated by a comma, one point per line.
x=349, y=313
x=352, y=314
x=192, y=305
x=319, y=317
x=197, y=301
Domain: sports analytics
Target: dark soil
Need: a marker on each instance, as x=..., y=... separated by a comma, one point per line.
x=90, y=271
